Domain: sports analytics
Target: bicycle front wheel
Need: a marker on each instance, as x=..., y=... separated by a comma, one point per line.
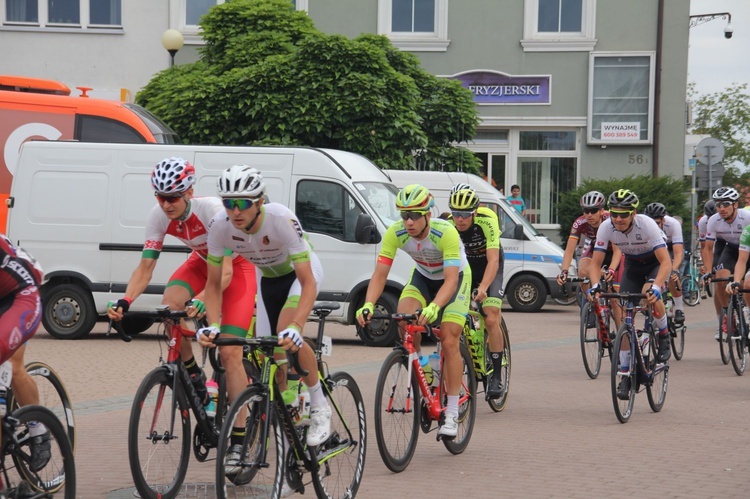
x=592, y=349
x=724, y=337
x=467, y=406
x=736, y=336
x=397, y=410
x=623, y=371
x=58, y=474
x=691, y=293
x=498, y=404
x=53, y=396
x=343, y=463
x=158, y=437
x=256, y=467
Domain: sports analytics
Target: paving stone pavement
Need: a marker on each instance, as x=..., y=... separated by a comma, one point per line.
x=557, y=437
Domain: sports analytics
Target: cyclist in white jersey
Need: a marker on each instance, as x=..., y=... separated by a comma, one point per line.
x=442, y=276
x=672, y=230
x=727, y=226
x=647, y=265
x=185, y=217
x=270, y=236
x=709, y=209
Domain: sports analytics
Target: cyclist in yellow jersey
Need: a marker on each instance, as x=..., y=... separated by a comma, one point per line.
x=479, y=230
x=442, y=276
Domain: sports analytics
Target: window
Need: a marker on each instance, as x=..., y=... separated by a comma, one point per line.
x=547, y=167
x=98, y=129
x=327, y=208
x=559, y=25
x=621, y=89
x=415, y=25
x=64, y=13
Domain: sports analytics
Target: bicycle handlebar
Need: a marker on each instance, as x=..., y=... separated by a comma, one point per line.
x=159, y=314
x=265, y=342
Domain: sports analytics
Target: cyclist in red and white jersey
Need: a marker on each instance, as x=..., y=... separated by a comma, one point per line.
x=180, y=214
x=672, y=229
x=20, y=315
x=647, y=265
x=725, y=226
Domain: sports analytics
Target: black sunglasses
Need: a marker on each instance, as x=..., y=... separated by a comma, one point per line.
x=411, y=215
x=591, y=211
x=620, y=214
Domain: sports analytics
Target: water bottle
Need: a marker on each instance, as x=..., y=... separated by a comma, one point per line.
x=424, y=362
x=213, y=398
x=304, y=405
x=291, y=401
x=434, y=361
x=643, y=341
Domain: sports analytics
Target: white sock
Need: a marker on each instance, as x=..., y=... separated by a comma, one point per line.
x=452, y=406
x=678, y=303
x=317, y=397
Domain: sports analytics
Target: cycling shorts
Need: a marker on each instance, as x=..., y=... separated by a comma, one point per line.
x=20, y=316
x=494, y=291
x=636, y=273
x=238, y=299
x=727, y=258
x=425, y=290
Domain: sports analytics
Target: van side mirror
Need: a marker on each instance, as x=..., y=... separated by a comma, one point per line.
x=366, y=232
x=518, y=232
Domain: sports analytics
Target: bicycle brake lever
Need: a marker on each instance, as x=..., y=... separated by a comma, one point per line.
x=293, y=359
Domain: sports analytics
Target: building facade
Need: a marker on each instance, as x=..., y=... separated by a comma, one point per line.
x=566, y=89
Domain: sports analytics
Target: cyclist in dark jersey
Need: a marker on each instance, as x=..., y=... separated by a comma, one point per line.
x=480, y=232
x=20, y=315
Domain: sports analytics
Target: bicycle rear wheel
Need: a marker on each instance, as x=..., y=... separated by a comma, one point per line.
x=159, y=453
x=620, y=373
x=677, y=339
x=53, y=396
x=736, y=336
x=341, y=470
x=691, y=293
x=467, y=410
x=724, y=337
x=656, y=389
x=592, y=349
x=498, y=404
x=260, y=470
x=58, y=475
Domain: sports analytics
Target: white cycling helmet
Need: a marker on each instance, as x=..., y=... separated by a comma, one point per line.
x=726, y=194
x=173, y=176
x=593, y=199
x=241, y=181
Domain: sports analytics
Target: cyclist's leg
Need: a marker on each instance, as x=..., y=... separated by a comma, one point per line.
x=186, y=282
x=415, y=296
x=492, y=307
x=584, y=265
x=25, y=390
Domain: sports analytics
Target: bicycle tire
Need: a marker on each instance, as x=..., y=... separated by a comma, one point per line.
x=340, y=475
x=263, y=435
x=59, y=473
x=723, y=337
x=568, y=300
x=467, y=412
x=592, y=349
x=677, y=339
x=498, y=404
x=656, y=389
x=691, y=293
x=623, y=408
x=396, y=414
x=153, y=466
x=736, y=336
x=53, y=396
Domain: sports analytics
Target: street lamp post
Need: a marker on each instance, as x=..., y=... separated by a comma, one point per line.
x=699, y=19
x=172, y=41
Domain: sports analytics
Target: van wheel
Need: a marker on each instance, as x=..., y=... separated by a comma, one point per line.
x=526, y=293
x=69, y=312
x=380, y=332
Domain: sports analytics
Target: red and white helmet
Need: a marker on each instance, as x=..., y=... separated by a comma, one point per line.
x=173, y=176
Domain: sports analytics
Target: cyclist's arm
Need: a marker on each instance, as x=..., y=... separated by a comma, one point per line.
x=305, y=275
x=665, y=266
x=212, y=292
x=227, y=270
x=707, y=252
x=570, y=249
x=616, y=257
x=377, y=282
x=595, y=269
x=141, y=277
x=490, y=271
x=741, y=266
x=678, y=250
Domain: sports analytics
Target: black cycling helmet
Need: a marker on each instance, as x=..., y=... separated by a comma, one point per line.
x=709, y=208
x=624, y=199
x=655, y=210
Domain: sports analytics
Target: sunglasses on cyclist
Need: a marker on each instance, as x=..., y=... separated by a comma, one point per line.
x=239, y=203
x=590, y=211
x=412, y=215
x=724, y=204
x=167, y=199
x=462, y=214
x=620, y=214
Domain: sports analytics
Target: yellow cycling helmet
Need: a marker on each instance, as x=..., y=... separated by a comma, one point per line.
x=623, y=199
x=463, y=198
x=414, y=197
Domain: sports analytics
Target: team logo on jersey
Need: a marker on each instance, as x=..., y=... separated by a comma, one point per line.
x=237, y=238
x=297, y=227
x=638, y=237
x=600, y=243
x=15, y=338
x=266, y=241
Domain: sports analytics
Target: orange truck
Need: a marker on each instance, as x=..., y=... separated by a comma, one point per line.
x=39, y=109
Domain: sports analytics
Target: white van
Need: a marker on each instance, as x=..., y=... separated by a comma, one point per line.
x=80, y=209
x=532, y=261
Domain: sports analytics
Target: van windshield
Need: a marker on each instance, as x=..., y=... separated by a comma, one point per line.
x=161, y=131
x=511, y=218
x=382, y=198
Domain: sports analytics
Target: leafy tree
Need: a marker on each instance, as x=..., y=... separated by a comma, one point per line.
x=268, y=76
x=672, y=193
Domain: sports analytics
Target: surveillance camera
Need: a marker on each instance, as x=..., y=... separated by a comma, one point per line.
x=728, y=31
